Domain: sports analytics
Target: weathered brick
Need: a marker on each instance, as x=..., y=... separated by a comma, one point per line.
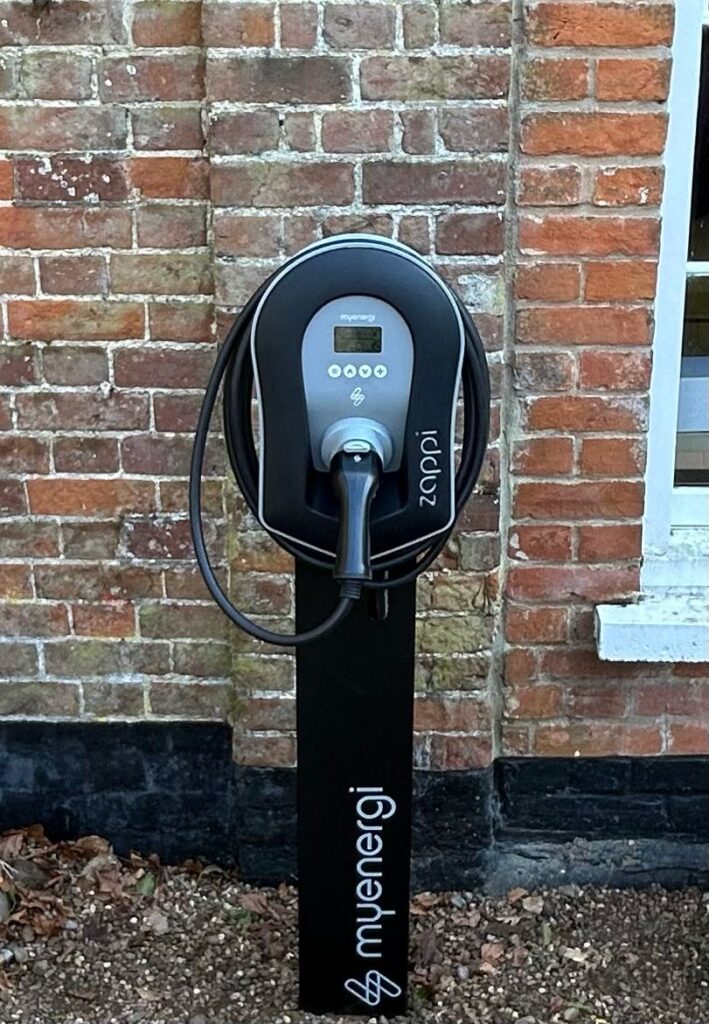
x=113, y=700
x=474, y=129
x=604, y=371
x=279, y=80
x=619, y=499
x=549, y=186
x=170, y=177
x=73, y=275
x=86, y=454
x=457, y=753
x=23, y=227
x=32, y=618
x=299, y=26
x=18, y=659
x=435, y=78
x=462, y=233
x=15, y=580
x=164, y=126
x=237, y=24
x=56, y=76
x=419, y=26
x=536, y=625
x=256, y=183
x=168, y=620
x=99, y=657
x=181, y=321
x=242, y=234
x=18, y=365
x=26, y=539
x=39, y=699
x=16, y=275
x=586, y=413
x=72, y=23
x=541, y=701
x=90, y=540
x=481, y=24
x=149, y=77
x=109, y=620
x=245, y=131
x=168, y=368
x=299, y=131
x=161, y=23
x=74, y=365
x=476, y=181
x=195, y=701
x=23, y=454
x=562, y=584
x=600, y=24
x=157, y=456
x=609, y=543
x=359, y=26
x=164, y=226
x=169, y=274
x=550, y=282
x=541, y=543
x=612, y=456
x=52, y=129
x=543, y=456
x=202, y=659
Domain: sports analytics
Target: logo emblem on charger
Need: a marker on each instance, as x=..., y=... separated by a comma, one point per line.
x=357, y=396
x=374, y=986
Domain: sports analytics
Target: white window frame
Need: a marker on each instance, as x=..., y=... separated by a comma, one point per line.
x=670, y=622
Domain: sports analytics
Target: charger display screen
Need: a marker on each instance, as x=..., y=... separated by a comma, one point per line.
x=358, y=339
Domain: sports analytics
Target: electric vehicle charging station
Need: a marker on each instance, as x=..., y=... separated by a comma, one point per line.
x=358, y=354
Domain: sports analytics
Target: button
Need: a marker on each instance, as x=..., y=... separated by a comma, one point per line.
x=350, y=370
x=365, y=370
x=379, y=371
x=334, y=370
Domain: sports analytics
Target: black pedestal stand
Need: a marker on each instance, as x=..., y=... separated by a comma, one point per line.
x=355, y=723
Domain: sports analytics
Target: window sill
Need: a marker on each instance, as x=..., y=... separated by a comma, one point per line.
x=670, y=622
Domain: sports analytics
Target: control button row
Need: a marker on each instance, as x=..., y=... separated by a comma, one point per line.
x=364, y=371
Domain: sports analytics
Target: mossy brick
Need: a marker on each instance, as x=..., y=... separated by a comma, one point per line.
x=197, y=701
x=449, y=634
x=31, y=619
x=69, y=658
x=173, y=620
x=201, y=659
x=97, y=582
x=255, y=672
x=90, y=540
x=18, y=659
x=39, y=700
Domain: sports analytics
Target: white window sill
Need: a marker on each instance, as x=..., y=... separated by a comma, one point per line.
x=670, y=621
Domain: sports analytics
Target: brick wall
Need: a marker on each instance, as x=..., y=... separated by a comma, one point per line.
x=160, y=159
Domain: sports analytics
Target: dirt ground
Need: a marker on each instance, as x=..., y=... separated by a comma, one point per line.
x=87, y=938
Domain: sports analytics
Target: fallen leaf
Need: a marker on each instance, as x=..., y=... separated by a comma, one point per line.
x=427, y=947
x=579, y=956
x=533, y=904
x=514, y=895
x=492, y=952
x=255, y=902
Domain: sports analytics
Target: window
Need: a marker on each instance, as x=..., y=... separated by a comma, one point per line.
x=671, y=621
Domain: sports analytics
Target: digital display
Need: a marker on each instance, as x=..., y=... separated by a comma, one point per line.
x=358, y=339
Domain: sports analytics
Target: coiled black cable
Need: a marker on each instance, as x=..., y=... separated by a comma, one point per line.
x=233, y=365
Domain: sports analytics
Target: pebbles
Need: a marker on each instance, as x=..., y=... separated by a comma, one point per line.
x=200, y=946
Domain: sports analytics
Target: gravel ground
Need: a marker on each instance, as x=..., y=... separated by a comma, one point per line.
x=86, y=938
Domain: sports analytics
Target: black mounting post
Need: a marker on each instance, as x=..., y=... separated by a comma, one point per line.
x=355, y=733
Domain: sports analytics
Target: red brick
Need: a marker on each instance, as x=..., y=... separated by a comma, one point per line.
x=18, y=365
x=621, y=79
x=561, y=584
x=73, y=275
x=149, y=77
x=551, y=282
x=7, y=184
x=688, y=738
x=170, y=177
x=618, y=280
x=12, y=500
x=460, y=752
x=299, y=131
x=553, y=79
x=15, y=582
x=50, y=319
x=27, y=227
x=618, y=456
x=600, y=24
x=418, y=131
x=617, y=499
x=607, y=700
x=586, y=413
x=279, y=80
x=594, y=134
x=75, y=497
x=543, y=456
x=520, y=665
x=52, y=129
x=469, y=233
x=71, y=179
x=16, y=275
x=609, y=543
x=478, y=182
x=597, y=739
x=535, y=702
x=237, y=24
x=153, y=455
x=536, y=625
x=413, y=231
x=299, y=26
x=481, y=24
x=628, y=186
x=256, y=183
x=357, y=131
x=436, y=714
x=541, y=543
x=23, y=454
x=74, y=364
x=359, y=26
x=265, y=751
x=161, y=273
x=542, y=372
x=584, y=325
x=419, y=26
x=605, y=371
x=549, y=186
x=435, y=78
x=160, y=23
x=104, y=620
x=77, y=410
x=242, y=234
